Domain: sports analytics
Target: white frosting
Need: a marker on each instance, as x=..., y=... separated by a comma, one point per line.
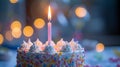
x=59, y=44
x=29, y=44
x=34, y=48
x=75, y=45
x=38, y=42
x=66, y=48
x=23, y=46
x=78, y=46
x=52, y=43
x=49, y=49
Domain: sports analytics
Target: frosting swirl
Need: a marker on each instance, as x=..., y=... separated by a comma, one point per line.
x=78, y=46
x=38, y=42
x=59, y=44
x=75, y=45
x=29, y=44
x=23, y=46
x=34, y=48
x=66, y=48
x=49, y=49
x=51, y=43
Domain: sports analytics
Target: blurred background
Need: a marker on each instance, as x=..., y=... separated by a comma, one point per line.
x=79, y=19
x=91, y=22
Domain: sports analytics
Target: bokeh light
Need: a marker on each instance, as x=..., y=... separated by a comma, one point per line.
x=1, y=38
x=13, y=1
x=80, y=12
x=39, y=23
x=99, y=47
x=8, y=36
x=16, y=33
x=28, y=31
x=16, y=24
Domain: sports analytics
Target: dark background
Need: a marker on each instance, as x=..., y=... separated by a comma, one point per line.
x=102, y=24
x=110, y=13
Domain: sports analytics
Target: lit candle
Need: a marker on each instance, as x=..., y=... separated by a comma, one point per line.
x=49, y=25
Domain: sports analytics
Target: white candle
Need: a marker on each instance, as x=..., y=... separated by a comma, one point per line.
x=49, y=26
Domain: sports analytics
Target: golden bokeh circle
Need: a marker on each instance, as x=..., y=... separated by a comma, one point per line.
x=80, y=12
x=1, y=38
x=16, y=24
x=99, y=47
x=13, y=1
x=16, y=33
x=39, y=23
x=28, y=31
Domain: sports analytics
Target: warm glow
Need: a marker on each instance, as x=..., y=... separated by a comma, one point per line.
x=16, y=24
x=49, y=13
x=13, y=1
x=80, y=12
x=16, y=33
x=1, y=38
x=39, y=23
x=99, y=47
x=28, y=31
x=8, y=36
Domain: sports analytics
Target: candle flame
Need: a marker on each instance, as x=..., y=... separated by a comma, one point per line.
x=49, y=13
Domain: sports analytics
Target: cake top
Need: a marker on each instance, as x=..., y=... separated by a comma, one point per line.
x=61, y=46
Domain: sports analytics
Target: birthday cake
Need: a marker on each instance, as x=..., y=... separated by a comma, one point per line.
x=62, y=54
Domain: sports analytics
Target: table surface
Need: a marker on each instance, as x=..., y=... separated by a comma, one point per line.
x=94, y=58
x=91, y=58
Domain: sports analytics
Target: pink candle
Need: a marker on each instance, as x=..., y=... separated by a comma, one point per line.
x=49, y=32
x=49, y=25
